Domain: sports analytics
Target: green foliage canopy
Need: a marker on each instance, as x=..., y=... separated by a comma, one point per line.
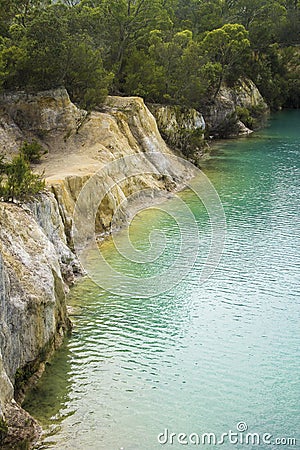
x=165, y=50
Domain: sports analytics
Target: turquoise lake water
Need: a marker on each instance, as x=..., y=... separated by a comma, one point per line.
x=200, y=358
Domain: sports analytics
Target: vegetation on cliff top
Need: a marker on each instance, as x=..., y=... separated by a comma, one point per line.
x=169, y=51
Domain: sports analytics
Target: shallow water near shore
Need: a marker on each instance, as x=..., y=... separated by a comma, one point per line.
x=200, y=358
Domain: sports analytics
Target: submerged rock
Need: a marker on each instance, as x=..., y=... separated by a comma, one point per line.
x=22, y=430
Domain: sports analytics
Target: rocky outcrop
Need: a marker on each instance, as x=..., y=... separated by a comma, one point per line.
x=11, y=137
x=33, y=313
x=182, y=128
x=236, y=111
x=45, y=211
x=32, y=289
x=125, y=127
x=42, y=113
x=80, y=144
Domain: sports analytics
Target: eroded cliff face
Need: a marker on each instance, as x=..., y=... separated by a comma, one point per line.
x=182, y=128
x=45, y=211
x=225, y=116
x=33, y=313
x=41, y=115
x=236, y=111
x=36, y=260
x=125, y=127
x=80, y=144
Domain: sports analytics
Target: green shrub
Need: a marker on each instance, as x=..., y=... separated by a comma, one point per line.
x=3, y=429
x=32, y=152
x=228, y=128
x=2, y=165
x=244, y=116
x=252, y=116
x=18, y=182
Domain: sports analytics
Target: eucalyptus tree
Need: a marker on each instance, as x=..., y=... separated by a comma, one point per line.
x=228, y=48
x=199, y=15
x=262, y=18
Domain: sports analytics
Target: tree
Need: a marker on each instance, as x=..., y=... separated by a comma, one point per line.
x=19, y=182
x=18, y=11
x=144, y=77
x=199, y=76
x=292, y=77
x=290, y=33
x=123, y=26
x=168, y=54
x=199, y=15
x=229, y=48
x=262, y=18
x=50, y=52
x=276, y=73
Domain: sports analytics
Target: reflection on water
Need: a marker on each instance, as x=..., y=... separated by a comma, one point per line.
x=199, y=358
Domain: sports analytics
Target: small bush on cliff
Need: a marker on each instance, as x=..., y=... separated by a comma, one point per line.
x=32, y=152
x=3, y=429
x=2, y=165
x=18, y=182
x=244, y=116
